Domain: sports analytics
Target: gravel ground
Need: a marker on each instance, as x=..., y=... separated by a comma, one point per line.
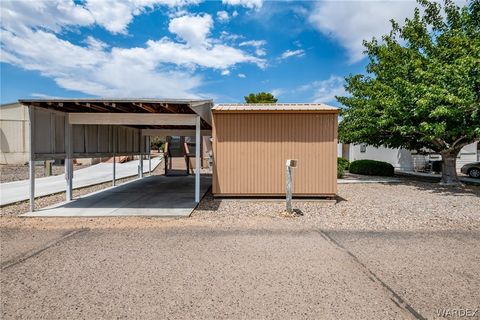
x=10, y=173
x=408, y=205
x=240, y=259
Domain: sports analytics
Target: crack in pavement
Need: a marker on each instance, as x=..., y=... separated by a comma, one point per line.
x=19, y=259
x=395, y=297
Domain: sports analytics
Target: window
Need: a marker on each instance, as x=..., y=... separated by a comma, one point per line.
x=363, y=148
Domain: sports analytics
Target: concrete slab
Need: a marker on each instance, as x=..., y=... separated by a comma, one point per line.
x=150, y=196
x=12, y=192
x=188, y=272
x=436, y=176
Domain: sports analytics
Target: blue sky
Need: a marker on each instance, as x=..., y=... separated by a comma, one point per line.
x=299, y=50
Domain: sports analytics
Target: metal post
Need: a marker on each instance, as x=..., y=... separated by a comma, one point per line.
x=197, y=159
x=114, y=138
x=68, y=159
x=291, y=163
x=31, y=163
x=149, y=157
x=142, y=145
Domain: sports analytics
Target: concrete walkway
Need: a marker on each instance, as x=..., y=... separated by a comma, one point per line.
x=437, y=176
x=151, y=196
x=12, y=192
x=351, y=178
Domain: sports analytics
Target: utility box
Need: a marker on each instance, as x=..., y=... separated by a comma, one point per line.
x=252, y=142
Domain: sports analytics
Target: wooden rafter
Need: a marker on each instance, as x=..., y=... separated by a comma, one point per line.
x=97, y=108
x=145, y=107
x=117, y=106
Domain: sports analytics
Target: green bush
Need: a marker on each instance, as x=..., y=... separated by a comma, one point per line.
x=372, y=168
x=342, y=162
x=340, y=171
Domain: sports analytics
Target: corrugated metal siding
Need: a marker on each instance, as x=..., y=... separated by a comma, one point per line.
x=250, y=150
x=88, y=140
x=272, y=107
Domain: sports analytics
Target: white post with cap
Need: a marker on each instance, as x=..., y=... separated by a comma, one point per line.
x=197, y=159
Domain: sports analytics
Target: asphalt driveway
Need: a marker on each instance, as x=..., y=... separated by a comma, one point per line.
x=408, y=250
x=273, y=270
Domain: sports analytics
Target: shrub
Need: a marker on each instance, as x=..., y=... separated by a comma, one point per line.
x=340, y=171
x=372, y=168
x=342, y=162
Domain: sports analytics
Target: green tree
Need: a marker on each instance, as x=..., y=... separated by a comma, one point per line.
x=262, y=97
x=422, y=85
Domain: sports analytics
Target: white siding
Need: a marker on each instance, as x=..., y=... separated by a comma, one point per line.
x=399, y=158
x=402, y=159
x=14, y=134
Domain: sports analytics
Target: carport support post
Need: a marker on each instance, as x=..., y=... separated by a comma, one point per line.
x=114, y=148
x=68, y=158
x=149, y=157
x=31, y=162
x=197, y=159
x=142, y=146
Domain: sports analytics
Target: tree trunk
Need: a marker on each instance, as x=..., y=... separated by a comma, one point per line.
x=449, y=167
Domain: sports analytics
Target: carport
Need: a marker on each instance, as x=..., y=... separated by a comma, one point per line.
x=84, y=128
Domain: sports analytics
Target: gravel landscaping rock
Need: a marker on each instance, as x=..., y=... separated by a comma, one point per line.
x=409, y=205
x=10, y=173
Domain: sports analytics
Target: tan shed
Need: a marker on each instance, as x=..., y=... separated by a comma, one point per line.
x=251, y=143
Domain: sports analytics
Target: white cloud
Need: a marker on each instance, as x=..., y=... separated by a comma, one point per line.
x=250, y=4
x=116, y=15
x=95, y=43
x=241, y=75
x=223, y=16
x=225, y=72
x=351, y=22
x=216, y=56
x=95, y=71
x=277, y=92
x=160, y=68
x=324, y=91
x=225, y=36
x=53, y=15
x=292, y=53
x=193, y=29
x=20, y=15
x=253, y=43
x=257, y=44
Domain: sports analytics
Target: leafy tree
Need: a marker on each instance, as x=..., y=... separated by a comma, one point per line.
x=422, y=87
x=262, y=97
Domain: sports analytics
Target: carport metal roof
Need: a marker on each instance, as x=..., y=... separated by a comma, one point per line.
x=101, y=129
x=131, y=106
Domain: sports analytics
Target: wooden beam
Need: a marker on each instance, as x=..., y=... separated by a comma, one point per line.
x=174, y=132
x=117, y=107
x=145, y=107
x=167, y=107
x=132, y=118
x=97, y=108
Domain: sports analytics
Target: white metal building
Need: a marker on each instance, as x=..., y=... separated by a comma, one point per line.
x=402, y=159
x=14, y=134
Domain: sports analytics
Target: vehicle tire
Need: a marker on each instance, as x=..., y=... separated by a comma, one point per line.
x=474, y=173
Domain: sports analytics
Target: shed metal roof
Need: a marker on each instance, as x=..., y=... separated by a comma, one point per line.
x=275, y=107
